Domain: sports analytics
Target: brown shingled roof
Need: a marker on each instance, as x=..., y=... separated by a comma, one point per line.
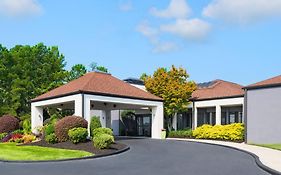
x=275, y=81
x=217, y=89
x=99, y=84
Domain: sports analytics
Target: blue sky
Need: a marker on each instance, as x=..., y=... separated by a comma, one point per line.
x=231, y=40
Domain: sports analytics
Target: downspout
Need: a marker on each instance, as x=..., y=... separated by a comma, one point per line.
x=193, y=115
x=245, y=114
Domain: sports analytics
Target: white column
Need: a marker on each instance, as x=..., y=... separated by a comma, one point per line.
x=175, y=122
x=103, y=118
x=157, y=121
x=108, y=118
x=36, y=116
x=78, y=106
x=87, y=111
x=195, y=118
x=218, y=115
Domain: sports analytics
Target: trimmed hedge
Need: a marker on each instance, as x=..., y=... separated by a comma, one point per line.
x=8, y=123
x=180, y=134
x=77, y=135
x=94, y=124
x=99, y=131
x=232, y=132
x=65, y=124
x=103, y=141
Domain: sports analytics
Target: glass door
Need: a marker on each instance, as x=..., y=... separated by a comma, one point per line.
x=144, y=125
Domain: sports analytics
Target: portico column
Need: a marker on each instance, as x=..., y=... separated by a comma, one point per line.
x=78, y=106
x=36, y=116
x=175, y=122
x=195, y=113
x=157, y=121
x=218, y=115
x=108, y=118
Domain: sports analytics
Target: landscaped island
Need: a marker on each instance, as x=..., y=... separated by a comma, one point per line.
x=65, y=138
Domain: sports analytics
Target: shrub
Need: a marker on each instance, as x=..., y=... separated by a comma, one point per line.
x=180, y=134
x=77, y=135
x=2, y=135
x=8, y=123
x=52, y=138
x=26, y=126
x=103, y=141
x=65, y=124
x=232, y=132
x=99, y=131
x=17, y=138
x=28, y=138
x=18, y=131
x=94, y=124
x=49, y=129
x=7, y=138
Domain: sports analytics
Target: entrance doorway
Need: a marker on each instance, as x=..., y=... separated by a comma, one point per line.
x=143, y=125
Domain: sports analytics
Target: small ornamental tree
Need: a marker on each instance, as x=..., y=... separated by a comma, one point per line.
x=174, y=87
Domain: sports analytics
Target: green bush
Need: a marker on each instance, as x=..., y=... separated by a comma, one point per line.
x=180, y=134
x=65, y=124
x=103, y=141
x=49, y=129
x=2, y=135
x=18, y=131
x=52, y=138
x=99, y=131
x=232, y=132
x=94, y=124
x=26, y=126
x=77, y=135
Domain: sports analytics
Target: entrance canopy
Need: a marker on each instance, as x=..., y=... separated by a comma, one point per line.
x=98, y=91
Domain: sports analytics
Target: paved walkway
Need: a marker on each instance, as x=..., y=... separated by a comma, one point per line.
x=150, y=157
x=269, y=157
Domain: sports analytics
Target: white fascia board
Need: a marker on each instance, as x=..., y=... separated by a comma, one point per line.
x=220, y=102
x=57, y=100
x=121, y=100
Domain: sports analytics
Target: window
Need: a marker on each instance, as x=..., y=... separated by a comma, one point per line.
x=231, y=115
x=184, y=120
x=206, y=116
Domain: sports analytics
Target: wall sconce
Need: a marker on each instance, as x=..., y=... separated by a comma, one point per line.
x=114, y=105
x=105, y=104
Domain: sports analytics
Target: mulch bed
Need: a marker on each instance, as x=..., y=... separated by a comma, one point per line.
x=86, y=146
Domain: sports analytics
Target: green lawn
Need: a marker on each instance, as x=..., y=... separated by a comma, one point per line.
x=272, y=146
x=9, y=151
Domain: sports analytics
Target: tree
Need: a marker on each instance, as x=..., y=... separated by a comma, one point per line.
x=174, y=87
x=26, y=72
x=77, y=71
x=143, y=76
x=94, y=67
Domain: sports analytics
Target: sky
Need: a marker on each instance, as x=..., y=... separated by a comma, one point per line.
x=238, y=41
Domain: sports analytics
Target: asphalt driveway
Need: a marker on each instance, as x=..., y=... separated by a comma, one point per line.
x=149, y=157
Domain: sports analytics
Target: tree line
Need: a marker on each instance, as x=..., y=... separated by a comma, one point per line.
x=28, y=71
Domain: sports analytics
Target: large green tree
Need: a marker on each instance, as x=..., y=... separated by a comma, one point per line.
x=95, y=67
x=174, y=86
x=76, y=71
x=26, y=72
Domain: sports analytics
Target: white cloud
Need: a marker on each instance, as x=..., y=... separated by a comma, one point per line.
x=176, y=9
x=16, y=8
x=146, y=30
x=152, y=34
x=126, y=6
x=243, y=11
x=193, y=29
x=163, y=47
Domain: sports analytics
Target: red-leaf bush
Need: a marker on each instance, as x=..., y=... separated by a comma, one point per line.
x=65, y=124
x=8, y=123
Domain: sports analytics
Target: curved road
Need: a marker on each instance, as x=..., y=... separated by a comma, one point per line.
x=149, y=157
